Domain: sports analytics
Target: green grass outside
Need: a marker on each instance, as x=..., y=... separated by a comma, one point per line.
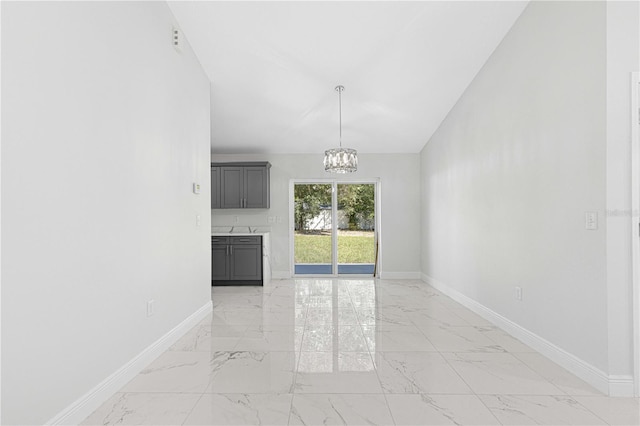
x=310, y=248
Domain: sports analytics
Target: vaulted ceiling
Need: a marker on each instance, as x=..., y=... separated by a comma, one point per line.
x=273, y=68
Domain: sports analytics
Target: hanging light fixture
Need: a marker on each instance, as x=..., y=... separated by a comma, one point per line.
x=340, y=160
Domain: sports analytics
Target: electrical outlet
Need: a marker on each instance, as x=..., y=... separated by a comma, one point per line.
x=150, y=308
x=518, y=293
x=176, y=38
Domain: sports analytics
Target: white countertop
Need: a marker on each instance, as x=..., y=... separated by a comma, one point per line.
x=239, y=231
x=237, y=234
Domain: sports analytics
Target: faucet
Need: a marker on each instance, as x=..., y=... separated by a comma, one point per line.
x=231, y=231
x=251, y=231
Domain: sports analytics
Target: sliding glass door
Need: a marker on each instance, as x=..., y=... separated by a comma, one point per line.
x=334, y=228
x=313, y=236
x=356, y=228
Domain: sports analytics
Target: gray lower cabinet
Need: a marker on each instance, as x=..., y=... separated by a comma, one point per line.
x=219, y=258
x=236, y=260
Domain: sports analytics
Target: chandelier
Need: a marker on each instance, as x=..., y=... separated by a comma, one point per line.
x=340, y=160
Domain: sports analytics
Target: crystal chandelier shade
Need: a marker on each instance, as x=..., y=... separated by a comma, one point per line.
x=340, y=160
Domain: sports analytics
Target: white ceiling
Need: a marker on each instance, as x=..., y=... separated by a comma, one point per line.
x=273, y=68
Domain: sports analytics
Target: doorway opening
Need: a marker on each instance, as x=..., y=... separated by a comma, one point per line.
x=334, y=230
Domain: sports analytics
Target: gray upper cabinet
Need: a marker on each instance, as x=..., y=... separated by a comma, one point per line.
x=256, y=187
x=241, y=185
x=231, y=188
x=215, y=187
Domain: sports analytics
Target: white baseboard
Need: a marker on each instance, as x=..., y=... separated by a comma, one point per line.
x=400, y=276
x=621, y=386
x=280, y=275
x=87, y=404
x=610, y=385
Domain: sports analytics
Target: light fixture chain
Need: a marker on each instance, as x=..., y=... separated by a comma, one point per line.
x=340, y=109
x=340, y=160
x=340, y=89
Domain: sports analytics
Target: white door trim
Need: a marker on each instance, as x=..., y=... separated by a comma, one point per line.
x=635, y=223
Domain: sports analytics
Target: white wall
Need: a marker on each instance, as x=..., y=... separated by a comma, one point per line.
x=399, y=176
x=508, y=176
x=105, y=127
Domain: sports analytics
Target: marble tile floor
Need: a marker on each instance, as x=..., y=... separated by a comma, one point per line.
x=358, y=352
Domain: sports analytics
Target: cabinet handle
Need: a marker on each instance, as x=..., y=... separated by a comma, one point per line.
x=231, y=247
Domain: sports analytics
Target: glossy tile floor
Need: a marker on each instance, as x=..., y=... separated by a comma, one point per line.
x=329, y=351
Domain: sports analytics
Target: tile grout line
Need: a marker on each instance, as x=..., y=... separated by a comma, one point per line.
x=194, y=406
x=460, y=376
x=297, y=355
x=384, y=395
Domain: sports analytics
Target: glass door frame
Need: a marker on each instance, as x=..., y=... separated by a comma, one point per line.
x=334, y=225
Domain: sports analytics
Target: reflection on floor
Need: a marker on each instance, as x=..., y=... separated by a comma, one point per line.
x=326, y=268
x=356, y=352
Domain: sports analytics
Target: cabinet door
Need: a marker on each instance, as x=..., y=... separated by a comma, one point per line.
x=215, y=187
x=219, y=262
x=246, y=262
x=256, y=187
x=232, y=187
